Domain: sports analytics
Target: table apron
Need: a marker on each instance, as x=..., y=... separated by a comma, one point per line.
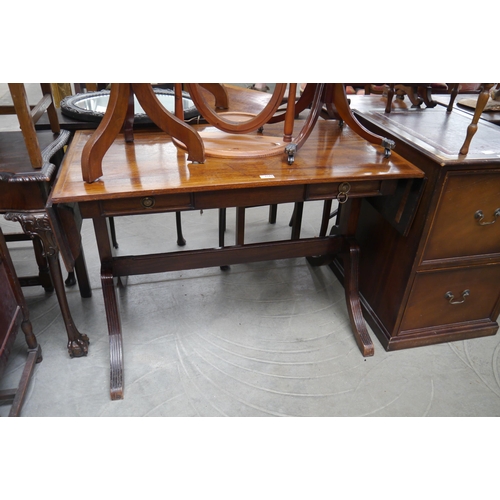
x=242, y=197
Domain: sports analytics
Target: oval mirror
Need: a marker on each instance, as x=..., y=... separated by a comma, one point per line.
x=91, y=106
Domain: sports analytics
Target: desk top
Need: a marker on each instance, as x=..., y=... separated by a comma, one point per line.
x=153, y=165
x=489, y=116
x=432, y=130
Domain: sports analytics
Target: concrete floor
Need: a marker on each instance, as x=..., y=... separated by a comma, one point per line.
x=265, y=339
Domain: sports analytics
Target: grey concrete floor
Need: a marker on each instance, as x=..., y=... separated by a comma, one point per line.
x=265, y=339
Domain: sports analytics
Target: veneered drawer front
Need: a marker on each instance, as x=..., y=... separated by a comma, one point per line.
x=440, y=297
x=146, y=204
x=456, y=230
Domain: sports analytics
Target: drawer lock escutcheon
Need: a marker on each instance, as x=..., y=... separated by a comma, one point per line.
x=344, y=189
x=479, y=216
x=148, y=202
x=451, y=297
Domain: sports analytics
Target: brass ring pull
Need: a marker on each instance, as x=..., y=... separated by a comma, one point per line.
x=450, y=297
x=342, y=195
x=480, y=216
x=148, y=202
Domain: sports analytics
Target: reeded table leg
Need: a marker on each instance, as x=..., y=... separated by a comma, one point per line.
x=115, y=333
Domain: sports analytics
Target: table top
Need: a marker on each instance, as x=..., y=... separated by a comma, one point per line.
x=435, y=132
x=153, y=165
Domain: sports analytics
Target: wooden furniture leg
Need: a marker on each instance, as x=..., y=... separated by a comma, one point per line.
x=106, y=252
x=178, y=225
x=343, y=109
x=15, y=312
x=115, y=333
x=36, y=225
x=348, y=215
x=390, y=97
x=347, y=223
x=472, y=128
x=43, y=277
x=351, y=269
x=117, y=116
x=273, y=213
x=453, y=96
x=425, y=92
x=82, y=275
x=16, y=396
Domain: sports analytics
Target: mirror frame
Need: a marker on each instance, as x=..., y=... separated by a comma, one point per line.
x=70, y=108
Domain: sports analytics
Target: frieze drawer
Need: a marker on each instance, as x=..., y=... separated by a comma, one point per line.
x=467, y=220
x=146, y=204
x=456, y=295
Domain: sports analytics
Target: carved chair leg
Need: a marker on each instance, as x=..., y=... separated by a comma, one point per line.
x=36, y=225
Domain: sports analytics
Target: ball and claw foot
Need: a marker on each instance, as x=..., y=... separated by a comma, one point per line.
x=78, y=348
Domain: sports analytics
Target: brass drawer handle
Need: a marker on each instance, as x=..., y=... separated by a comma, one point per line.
x=344, y=189
x=479, y=216
x=450, y=297
x=148, y=202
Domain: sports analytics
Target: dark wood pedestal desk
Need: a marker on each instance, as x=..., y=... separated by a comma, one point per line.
x=441, y=282
x=152, y=175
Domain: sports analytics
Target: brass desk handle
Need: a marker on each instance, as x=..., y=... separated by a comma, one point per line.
x=342, y=195
x=148, y=202
x=450, y=297
x=480, y=216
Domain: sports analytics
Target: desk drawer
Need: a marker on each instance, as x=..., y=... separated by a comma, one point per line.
x=457, y=231
x=353, y=189
x=146, y=204
x=453, y=296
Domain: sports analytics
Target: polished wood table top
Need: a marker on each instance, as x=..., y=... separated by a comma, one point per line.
x=154, y=165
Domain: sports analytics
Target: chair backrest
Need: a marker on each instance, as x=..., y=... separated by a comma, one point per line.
x=29, y=115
